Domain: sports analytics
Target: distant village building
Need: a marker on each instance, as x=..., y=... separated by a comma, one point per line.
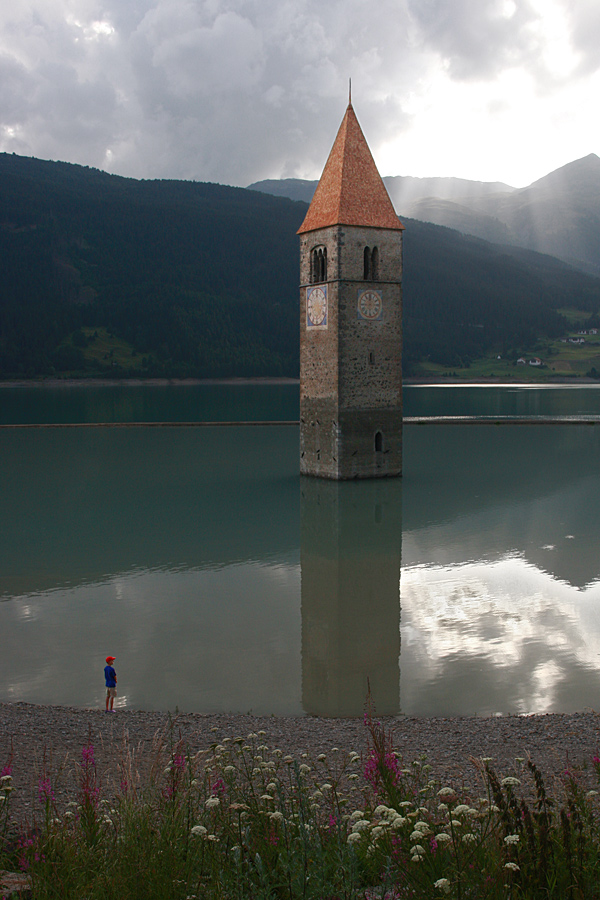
x=536, y=361
x=351, y=319
x=521, y=361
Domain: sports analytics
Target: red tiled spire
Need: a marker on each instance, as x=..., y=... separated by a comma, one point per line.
x=351, y=190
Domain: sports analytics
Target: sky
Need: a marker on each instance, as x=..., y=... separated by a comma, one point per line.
x=235, y=91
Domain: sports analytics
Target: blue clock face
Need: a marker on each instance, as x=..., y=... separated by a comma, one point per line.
x=316, y=307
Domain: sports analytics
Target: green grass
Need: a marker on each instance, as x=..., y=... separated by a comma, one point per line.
x=245, y=820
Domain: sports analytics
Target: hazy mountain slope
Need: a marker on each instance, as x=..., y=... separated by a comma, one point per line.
x=202, y=279
x=404, y=190
x=558, y=214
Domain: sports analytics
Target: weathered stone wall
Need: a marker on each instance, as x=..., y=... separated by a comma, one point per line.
x=351, y=372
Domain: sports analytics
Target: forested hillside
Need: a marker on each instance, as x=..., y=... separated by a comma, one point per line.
x=201, y=279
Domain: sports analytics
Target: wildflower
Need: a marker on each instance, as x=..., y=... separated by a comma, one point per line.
x=228, y=770
x=418, y=850
x=353, y=777
x=442, y=884
x=361, y=825
x=45, y=792
x=510, y=781
x=212, y=802
x=447, y=792
x=456, y=823
x=592, y=793
x=353, y=756
x=513, y=867
x=304, y=769
x=494, y=808
x=255, y=772
x=272, y=786
x=326, y=787
x=487, y=759
x=416, y=836
x=212, y=837
x=405, y=803
x=357, y=814
x=377, y=831
x=5, y=778
x=353, y=837
x=469, y=838
x=380, y=810
x=317, y=795
x=398, y=822
x=422, y=827
x=322, y=756
x=511, y=839
x=276, y=816
x=460, y=810
x=443, y=807
x=266, y=797
x=443, y=837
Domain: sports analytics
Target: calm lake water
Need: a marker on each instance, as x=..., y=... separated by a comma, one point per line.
x=222, y=581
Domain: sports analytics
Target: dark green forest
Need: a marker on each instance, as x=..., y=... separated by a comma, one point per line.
x=202, y=280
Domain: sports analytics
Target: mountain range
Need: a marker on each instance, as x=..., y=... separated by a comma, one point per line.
x=559, y=214
x=109, y=275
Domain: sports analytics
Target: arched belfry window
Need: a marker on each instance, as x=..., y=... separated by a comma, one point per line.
x=374, y=264
x=371, y=264
x=378, y=442
x=318, y=265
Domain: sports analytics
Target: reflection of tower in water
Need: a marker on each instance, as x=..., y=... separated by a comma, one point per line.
x=351, y=543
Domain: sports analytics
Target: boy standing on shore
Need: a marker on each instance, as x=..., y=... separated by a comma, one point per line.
x=110, y=676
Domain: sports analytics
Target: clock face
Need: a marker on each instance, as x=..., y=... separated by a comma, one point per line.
x=316, y=307
x=370, y=305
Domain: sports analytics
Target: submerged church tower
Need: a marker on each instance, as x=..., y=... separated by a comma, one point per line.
x=351, y=319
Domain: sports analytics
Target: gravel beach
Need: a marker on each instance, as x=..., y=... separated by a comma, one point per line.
x=53, y=736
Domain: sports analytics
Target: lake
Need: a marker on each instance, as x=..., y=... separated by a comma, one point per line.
x=223, y=582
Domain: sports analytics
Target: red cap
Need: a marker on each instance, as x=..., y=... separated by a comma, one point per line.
x=110, y=659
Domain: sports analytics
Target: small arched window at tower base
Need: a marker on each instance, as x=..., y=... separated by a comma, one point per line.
x=379, y=442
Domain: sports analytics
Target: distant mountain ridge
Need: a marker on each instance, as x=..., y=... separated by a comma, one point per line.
x=558, y=214
x=109, y=275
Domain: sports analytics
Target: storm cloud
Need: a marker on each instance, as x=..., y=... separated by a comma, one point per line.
x=239, y=90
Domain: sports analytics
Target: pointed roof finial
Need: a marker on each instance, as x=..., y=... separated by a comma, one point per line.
x=349, y=92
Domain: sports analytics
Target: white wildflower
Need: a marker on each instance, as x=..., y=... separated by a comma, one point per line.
x=417, y=850
x=423, y=827
x=326, y=787
x=469, y=838
x=592, y=793
x=353, y=837
x=276, y=816
x=361, y=825
x=513, y=867
x=442, y=884
x=322, y=756
x=460, y=810
x=443, y=837
x=199, y=831
x=509, y=781
x=353, y=777
x=357, y=814
x=228, y=770
x=398, y=823
x=212, y=802
x=212, y=837
x=416, y=835
x=511, y=839
x=447, y=792
x=377, y=831
x=266, y=797
x=272, y=786
x=304, y=769
x=5, y=778
x=380, y=810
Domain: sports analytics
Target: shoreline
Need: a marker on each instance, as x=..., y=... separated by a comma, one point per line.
x=50, y=738
x=188, y=382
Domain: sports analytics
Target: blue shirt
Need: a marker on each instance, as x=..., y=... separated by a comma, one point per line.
x=111, y=676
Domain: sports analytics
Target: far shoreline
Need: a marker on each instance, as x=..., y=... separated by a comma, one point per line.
x=432, y=381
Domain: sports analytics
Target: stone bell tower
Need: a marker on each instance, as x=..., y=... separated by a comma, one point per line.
x=351, y=319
